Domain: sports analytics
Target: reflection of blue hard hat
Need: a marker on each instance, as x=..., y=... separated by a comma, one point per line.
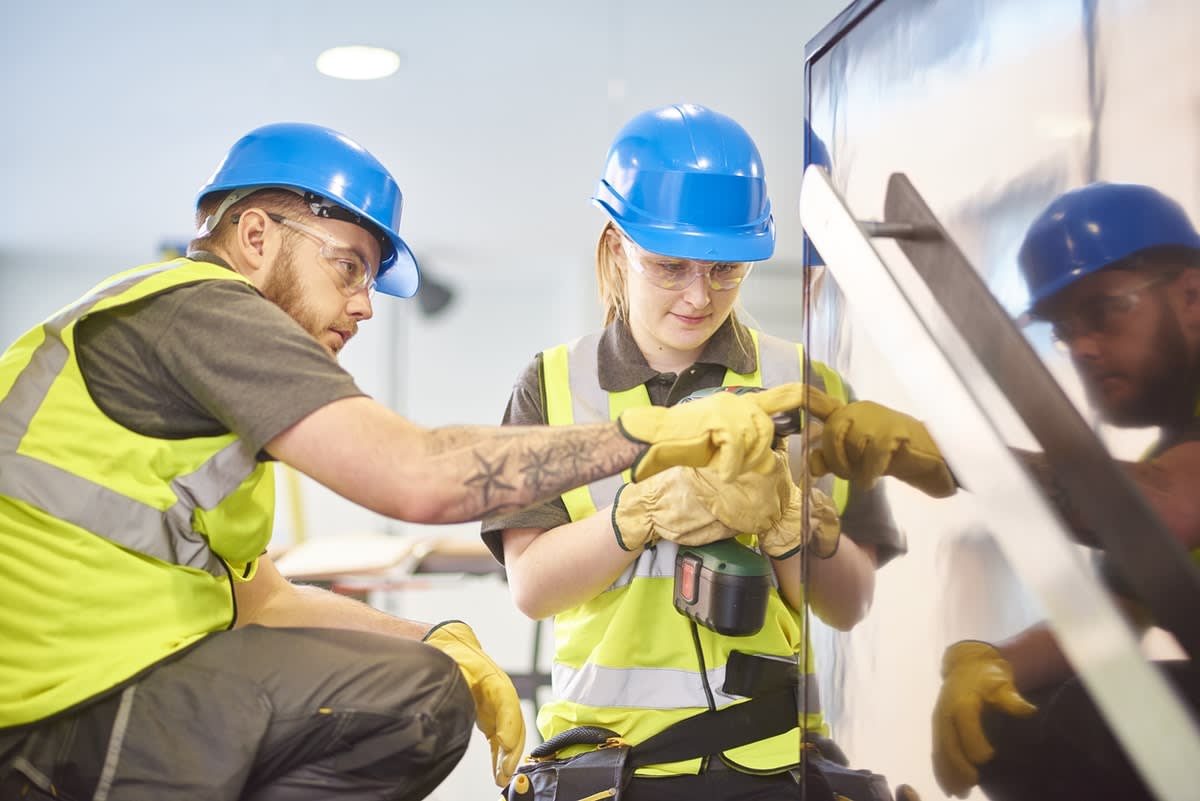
x=688, y=182
x=324, y=162
x=815, y=152
x=1089, y=228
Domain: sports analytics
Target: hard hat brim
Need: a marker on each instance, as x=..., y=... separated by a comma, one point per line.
x=752, y=243
x=402, y=277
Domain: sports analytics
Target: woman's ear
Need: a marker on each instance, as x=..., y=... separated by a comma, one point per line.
x=612, y=241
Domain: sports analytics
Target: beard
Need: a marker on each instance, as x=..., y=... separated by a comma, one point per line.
x=1166, y=383
x=283, y=288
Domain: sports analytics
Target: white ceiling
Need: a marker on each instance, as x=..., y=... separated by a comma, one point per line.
x=496, y=125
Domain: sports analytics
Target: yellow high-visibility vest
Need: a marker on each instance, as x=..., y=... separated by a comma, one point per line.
x=626, y=660
x=116, y=549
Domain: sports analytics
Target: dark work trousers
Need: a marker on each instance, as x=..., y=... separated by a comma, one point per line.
x=258, y=714
x=1067, y=750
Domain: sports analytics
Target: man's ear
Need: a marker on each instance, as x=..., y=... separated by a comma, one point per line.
x=1189, y=285
x=252, y=243
x=1187, y=294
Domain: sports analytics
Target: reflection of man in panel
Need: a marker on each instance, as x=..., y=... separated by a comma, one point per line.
x=1114, y=269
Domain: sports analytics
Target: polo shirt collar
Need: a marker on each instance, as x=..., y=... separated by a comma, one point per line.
x=622, y=366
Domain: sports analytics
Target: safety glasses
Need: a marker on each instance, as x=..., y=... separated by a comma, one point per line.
x=348, y=268
x=668, y=272
x=1103, y=314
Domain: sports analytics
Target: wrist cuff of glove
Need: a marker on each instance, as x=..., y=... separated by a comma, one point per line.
x=437, y=626
x=615, y=526
x=788, y=554
x=814, y=548
x=637, y=462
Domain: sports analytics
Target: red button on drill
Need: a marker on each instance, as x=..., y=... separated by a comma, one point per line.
x=690, y=578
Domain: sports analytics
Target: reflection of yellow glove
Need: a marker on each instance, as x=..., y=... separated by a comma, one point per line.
x=973, y=674
x=862, y=441
x=730, y=433
x=497, y=707
x=824, y=524
x=662, y=507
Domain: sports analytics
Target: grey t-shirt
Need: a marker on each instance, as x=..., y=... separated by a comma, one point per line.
x=867, y=518
x=206, y=359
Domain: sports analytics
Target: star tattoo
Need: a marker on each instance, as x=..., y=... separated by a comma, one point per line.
x=489, y=478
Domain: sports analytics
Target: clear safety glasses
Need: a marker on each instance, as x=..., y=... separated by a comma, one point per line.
x=351, y=271
x=1103, y=314
x=668, y=272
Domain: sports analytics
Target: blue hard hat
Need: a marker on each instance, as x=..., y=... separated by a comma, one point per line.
x=1087, y=229
x=815, y=152
x=334, y=167
x=688, y=182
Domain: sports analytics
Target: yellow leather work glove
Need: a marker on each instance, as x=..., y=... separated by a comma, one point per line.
x=727, y=432
x=664, y=507
x=771, y=506
x=497, y=708
x=973, y=674
x=863, y=440
x=819, y=531
x=748, y=504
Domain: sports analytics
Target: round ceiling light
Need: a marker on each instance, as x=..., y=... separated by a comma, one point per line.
x=358, y=63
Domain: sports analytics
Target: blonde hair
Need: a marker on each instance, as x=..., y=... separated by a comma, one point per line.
x=609, y=277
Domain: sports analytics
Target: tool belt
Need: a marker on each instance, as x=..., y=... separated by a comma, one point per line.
x=603, y=773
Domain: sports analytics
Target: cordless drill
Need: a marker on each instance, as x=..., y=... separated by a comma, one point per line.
x=724, y=586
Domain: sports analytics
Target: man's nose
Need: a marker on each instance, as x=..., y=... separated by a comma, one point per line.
x=359, y=305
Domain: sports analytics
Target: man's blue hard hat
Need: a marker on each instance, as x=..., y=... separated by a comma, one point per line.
x=1087, y=229
x=323, y=162
x=686, y=181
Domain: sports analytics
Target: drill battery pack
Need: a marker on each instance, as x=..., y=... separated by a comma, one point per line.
x=723, y=586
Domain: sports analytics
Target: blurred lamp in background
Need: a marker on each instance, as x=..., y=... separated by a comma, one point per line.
x=433, y=297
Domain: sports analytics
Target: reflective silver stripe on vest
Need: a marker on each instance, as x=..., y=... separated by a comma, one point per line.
x=778, y=361
x=658, y=561
x=589, y=404
x=167, y=536
x=650, y=688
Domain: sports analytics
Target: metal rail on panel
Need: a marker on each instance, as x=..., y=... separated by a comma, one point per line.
x=1155, y=565
x=944, y=374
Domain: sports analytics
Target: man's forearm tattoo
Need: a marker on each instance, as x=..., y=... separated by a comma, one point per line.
x=521, y=466
x=489, y=478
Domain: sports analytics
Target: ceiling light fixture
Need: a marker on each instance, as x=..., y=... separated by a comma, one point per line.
x=358, y=63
